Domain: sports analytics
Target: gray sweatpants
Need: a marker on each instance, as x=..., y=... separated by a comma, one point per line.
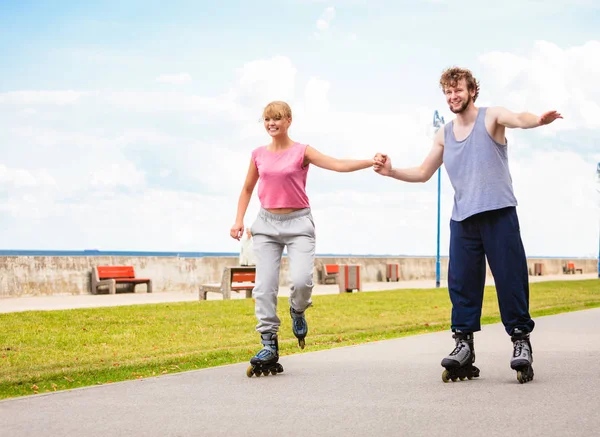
x=270, y=234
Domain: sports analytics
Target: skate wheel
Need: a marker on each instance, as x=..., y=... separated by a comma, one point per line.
x=445, y=374
x=301, y=343
x=273, y=372
x=249, y=372
x=469, y=377
x=462, y=378
x=524, y=376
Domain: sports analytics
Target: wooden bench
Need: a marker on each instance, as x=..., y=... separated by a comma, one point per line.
x=330, y=271
x=238, y=278
x=111, y=276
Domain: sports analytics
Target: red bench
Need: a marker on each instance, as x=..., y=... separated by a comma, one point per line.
x=111, y=276
x=330, y=271
x=570, y=268
x=237, y=278
x=241, y=277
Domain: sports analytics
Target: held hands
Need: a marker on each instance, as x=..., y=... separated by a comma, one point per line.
x=548, y=117
x=237, y=230
x=382, y=164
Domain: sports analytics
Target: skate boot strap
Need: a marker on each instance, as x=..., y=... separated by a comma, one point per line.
x=296, y=314
x=266, y=353
x=466, y=336
x=460, y=345
x=519, y=334
x=270, y=340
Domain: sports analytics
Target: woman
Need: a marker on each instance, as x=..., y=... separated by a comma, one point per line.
x=284, y=220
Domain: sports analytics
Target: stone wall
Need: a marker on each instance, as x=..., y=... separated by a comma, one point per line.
x=49, y=275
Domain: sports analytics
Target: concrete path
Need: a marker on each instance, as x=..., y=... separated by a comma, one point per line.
x=58, y=302
x=387, y=388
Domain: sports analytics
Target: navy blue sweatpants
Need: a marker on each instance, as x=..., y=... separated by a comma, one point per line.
x=496, y=235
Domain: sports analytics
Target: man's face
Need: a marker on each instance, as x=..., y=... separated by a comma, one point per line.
x=458, y=96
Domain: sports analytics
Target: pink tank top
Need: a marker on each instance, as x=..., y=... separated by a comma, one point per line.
x=282, y=179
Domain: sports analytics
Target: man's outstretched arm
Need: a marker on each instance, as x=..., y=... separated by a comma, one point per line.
x=522, y=120
x=433, y=161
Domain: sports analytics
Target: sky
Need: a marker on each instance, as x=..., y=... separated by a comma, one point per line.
x=128, y=125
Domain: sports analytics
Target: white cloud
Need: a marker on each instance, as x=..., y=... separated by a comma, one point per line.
x=324, y=21
x=28, y=111
x=53, y=137
x=322, y=24
x=315, y=96
x=123, y=174
x=548, y=78
x=156, y=101
x=264, y=80
x=175, y=79
x=33, y=97
x=18, y=177
x=558, y=203
x=144, y=220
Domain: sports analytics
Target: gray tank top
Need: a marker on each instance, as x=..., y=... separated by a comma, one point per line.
x=478, y=171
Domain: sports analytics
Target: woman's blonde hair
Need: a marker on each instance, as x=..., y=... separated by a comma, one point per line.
x=277, y=109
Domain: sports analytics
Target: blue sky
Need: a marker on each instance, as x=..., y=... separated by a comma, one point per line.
x=128, y=125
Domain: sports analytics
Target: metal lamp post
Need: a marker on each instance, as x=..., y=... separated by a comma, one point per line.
x=438, y=122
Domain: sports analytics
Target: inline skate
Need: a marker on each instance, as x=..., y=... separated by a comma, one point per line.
x=299, y=326
x=522, y=357
x=266, y=360
x=459, y=364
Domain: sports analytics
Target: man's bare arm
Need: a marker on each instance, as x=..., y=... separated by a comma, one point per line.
x=422, y=173
x=522, y=120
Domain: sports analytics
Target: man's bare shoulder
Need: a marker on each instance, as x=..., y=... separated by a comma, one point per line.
x=439, y=136
x=495, y=111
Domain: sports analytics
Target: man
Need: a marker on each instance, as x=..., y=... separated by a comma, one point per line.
x=484, y=220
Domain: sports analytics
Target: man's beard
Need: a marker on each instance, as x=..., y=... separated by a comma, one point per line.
x=462, y=107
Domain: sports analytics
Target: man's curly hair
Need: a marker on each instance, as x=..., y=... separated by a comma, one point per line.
x=451, y=76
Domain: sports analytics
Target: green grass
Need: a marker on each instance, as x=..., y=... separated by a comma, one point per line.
x=42, y=351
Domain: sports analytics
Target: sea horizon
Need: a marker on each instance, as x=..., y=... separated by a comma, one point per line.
x=185, y=254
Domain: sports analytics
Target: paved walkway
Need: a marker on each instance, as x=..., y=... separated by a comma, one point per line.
x=56, y=302
x=387, y=388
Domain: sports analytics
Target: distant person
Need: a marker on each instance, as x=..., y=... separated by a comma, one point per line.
x=484, y=221
x=284, y=220
x=247, y=257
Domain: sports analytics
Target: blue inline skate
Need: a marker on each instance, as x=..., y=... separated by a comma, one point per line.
x=299, y=326
x=459, y=364
x=266, y=359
